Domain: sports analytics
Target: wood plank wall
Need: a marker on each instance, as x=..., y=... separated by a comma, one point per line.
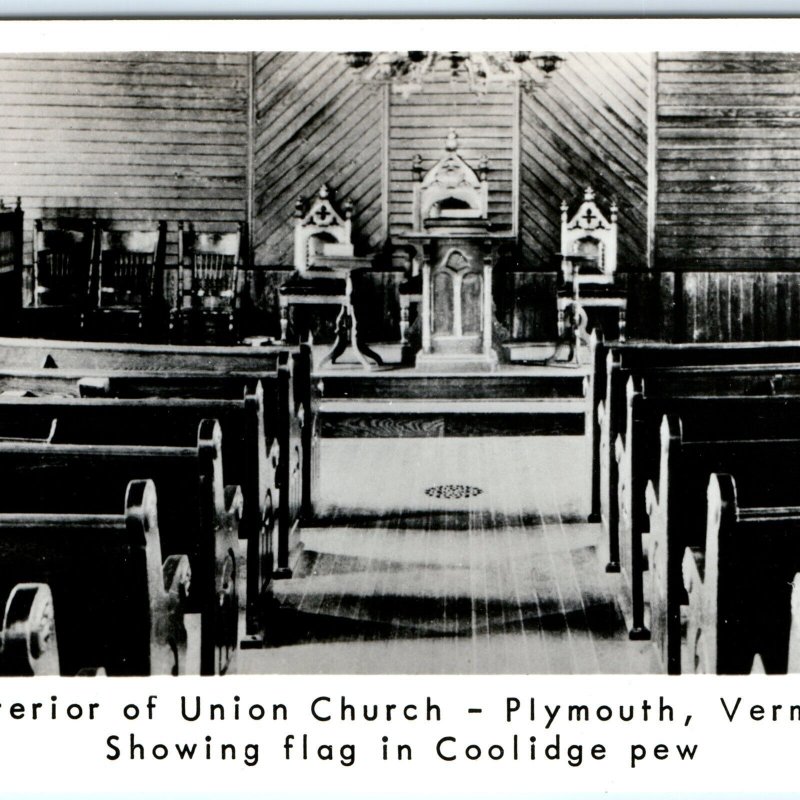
x=131, y=138
x=315, y=122
x=728, y=172
x=585, y=125
x=728, y=160
x=137, y=137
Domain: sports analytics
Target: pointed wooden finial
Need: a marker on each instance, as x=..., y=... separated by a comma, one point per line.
x=452, y=141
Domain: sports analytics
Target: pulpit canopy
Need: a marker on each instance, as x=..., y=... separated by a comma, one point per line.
x=451, y=195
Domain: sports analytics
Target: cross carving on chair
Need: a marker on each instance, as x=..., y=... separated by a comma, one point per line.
x=322, y=215
x=589, y=217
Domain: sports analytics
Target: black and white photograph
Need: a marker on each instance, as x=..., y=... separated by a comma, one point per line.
x=399, y=362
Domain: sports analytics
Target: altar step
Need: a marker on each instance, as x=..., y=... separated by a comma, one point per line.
x=513, y=401
x=418, y=418
x=517, y=383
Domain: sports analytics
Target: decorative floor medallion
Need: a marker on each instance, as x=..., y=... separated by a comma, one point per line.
x=453, y=491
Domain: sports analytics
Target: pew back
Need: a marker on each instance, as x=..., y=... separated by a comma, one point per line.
x=740, y=581
x=61, y=354
x=677, y=510
x=173, y=422
x=702, y=418
x=767, y=379
x=197, y=515
x=108, y=584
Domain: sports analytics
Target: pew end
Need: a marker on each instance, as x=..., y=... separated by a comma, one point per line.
x=694, y=658
x=793, y=662
x=730, y=630
x=28, y=642
x=137, y=623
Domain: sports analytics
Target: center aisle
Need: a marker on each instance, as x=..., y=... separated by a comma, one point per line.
x=489, y=571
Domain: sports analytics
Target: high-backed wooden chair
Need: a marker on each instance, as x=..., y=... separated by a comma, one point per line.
x=325, y=267
x=10, y=265
x=592, y=236
x=588, y=265
x=130, y=269
x=62, y=263
x=209, y=269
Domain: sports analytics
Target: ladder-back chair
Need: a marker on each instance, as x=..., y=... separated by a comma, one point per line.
x=10, y=264
x=130, y=271
x=62, y=263
x=209, y=269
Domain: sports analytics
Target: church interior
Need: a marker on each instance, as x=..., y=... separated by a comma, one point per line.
x=423, y=362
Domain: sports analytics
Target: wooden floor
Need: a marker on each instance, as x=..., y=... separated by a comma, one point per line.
x=403, y=580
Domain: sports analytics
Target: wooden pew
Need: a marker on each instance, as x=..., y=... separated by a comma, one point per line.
x=28, y=644
x=28, y=353
x=174, y=422
x=197, y=514
x=637, y=456
x=612, y=363
x=740, y=582
x=288, y=418
x=767, y=378
x=288, y=421
x=119, y=607
x=141, y=370
x=677, y=510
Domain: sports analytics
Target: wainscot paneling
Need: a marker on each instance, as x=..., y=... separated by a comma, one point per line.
x=714, y=305
x=129, y=138
x=315, y=122
x=585, y=125
x=525, y=305
x=739, y=306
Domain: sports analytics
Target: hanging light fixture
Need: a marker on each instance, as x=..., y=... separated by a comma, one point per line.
x=548, y=62
x=358, y=60
x=407, y=72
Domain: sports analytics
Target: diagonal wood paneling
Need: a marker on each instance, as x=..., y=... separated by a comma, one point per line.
x=127, y=137
x=587, y=125
x=315, y=122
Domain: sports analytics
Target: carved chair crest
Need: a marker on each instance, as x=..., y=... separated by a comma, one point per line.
x=591, y=234
x=321, y=230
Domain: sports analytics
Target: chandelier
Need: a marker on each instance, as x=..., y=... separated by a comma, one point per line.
x=407, y=72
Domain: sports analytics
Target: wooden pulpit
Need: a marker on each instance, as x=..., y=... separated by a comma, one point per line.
x=455, y=250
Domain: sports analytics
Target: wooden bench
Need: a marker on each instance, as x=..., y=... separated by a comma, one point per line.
x=677, y=511
x=741, y=581
x=28, y=644
x=288, y=419
x=638, y=455
x=766, y=378
x=197, y=514
x=174, y=422
x=142, y=370
x=62, y=354
x=613, y=363
x=118, y=607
